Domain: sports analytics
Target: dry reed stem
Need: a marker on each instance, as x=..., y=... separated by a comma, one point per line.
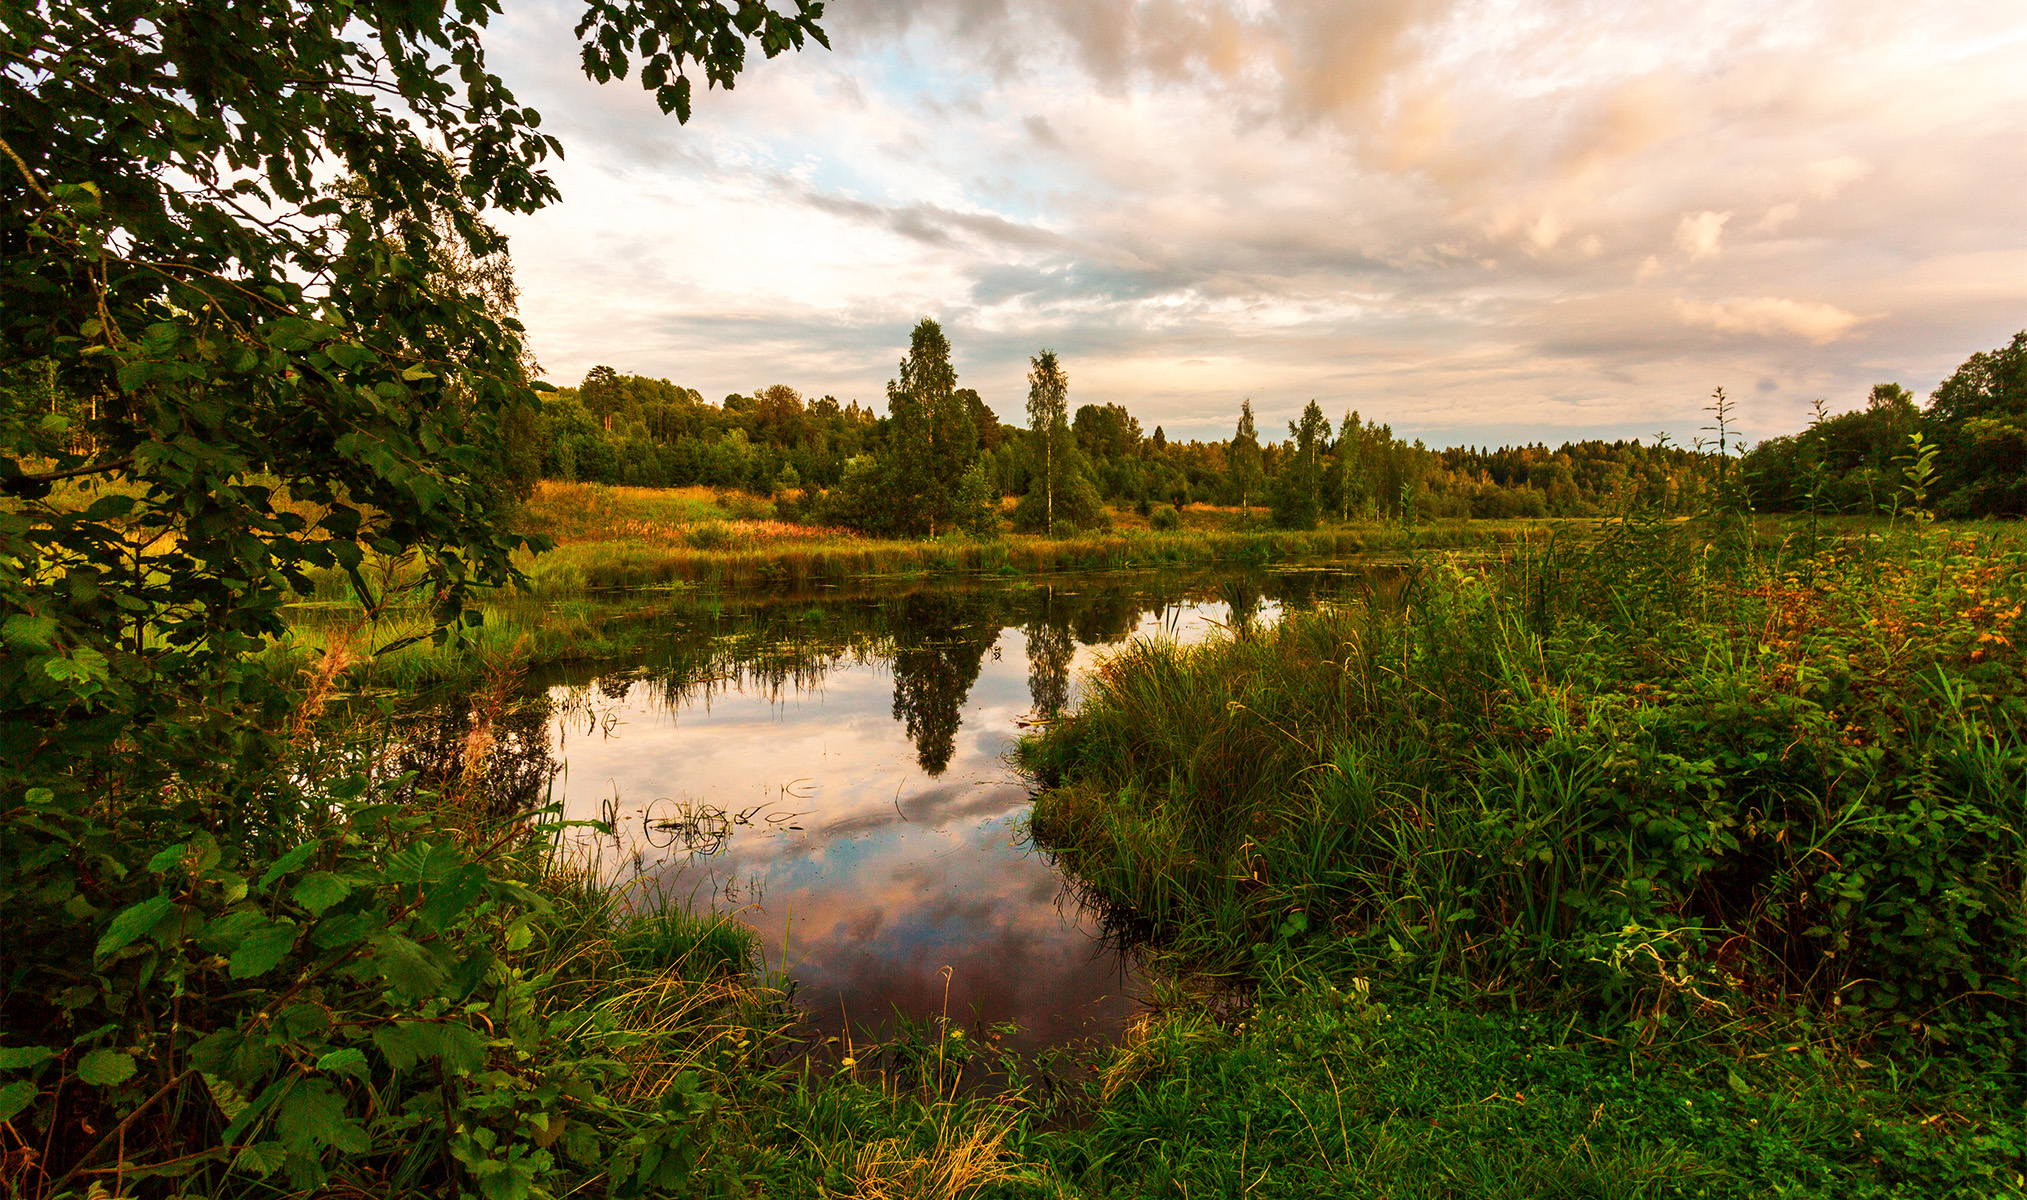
x=320, y=681
x=960, y=1163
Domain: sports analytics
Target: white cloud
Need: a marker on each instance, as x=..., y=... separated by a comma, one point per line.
x=1770, y=316
x=1777, y=216
x=1442, y=212
x=1698, y=234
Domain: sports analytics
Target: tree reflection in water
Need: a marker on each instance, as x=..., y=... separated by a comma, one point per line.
x=769, y=745
x=940, y=642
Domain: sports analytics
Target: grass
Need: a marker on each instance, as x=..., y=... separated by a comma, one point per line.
x=1705, y=841
x=609, y=537
x=1664, y=861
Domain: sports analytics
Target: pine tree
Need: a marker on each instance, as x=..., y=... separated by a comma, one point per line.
x=932, y=438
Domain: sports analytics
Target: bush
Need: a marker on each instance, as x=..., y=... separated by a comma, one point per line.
x=358, y=999
x=1164, y=518
x=1078, y=507
x=710, y=535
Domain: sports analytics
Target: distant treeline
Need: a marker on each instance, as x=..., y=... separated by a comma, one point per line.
x=1974, y=424
x=941, y=456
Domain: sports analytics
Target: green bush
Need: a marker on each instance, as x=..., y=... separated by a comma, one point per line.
x=1164, y=518
x=359, y=1000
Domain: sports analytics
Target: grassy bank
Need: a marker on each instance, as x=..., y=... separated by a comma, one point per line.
x=1701, y=855
x=609, y=537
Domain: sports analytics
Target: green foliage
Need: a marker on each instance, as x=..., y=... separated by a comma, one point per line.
x=1048, y=429
x=1076, y=503
x=1976, y=421
x=222, y=379
x=1298, y=488
x=976, y=504
x=931, y=441
x=1243, y=459
x=1644, y=776
x=350, y=1008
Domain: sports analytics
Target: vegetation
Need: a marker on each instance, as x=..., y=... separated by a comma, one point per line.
x=1698, y=803
x=1855, y=462
x=833, y=463
x=239, y=960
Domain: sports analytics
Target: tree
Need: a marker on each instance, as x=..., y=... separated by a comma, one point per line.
x=169, y=249
x=1295, y=495
x=1048, y=422
x=275, y=379
x=1243, y=458
x=1978, y=421
x=930, y=434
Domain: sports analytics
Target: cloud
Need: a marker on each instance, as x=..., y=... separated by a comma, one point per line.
x=1452, y=213
x=1770, y=316
x=1698, y=234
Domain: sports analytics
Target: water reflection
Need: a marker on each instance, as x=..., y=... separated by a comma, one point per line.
x=832, y=768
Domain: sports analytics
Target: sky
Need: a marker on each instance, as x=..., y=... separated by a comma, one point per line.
x=1479, y=221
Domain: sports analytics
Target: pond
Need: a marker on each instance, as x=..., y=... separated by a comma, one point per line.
x=833, y=769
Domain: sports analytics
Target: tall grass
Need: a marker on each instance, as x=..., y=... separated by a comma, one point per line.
x=1647, y=775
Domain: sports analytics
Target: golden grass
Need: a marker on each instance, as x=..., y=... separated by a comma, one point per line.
x=965, y=1152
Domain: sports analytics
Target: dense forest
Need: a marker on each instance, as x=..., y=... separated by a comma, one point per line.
x=835, y=461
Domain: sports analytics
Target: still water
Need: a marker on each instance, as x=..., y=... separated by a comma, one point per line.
x=833, y=769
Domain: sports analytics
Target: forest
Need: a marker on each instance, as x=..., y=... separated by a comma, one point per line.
x=833, y=463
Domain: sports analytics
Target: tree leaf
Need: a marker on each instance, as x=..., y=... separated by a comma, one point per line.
x=319, y=890
x=348, y=1061
x=406, y=966
x=263, y=947
x=16, y=1058
x=106, y=1067
x=132, y=922
x=290, y=861
x=14, y=1097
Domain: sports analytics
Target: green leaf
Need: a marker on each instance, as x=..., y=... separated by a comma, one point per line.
x=319, y=890
x=348, y=1061
x=16, y=1058
x=14, y=1097
x=32, y=633
x=406, y=966
x=263, y=947
x=167, y=860
x=106, y=1067
x=290, y=861
x=132, y=922
x=225, y=1096
x=261, y=1158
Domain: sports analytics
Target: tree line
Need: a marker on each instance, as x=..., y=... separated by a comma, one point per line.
x=940, y=458
x=1971, y=437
